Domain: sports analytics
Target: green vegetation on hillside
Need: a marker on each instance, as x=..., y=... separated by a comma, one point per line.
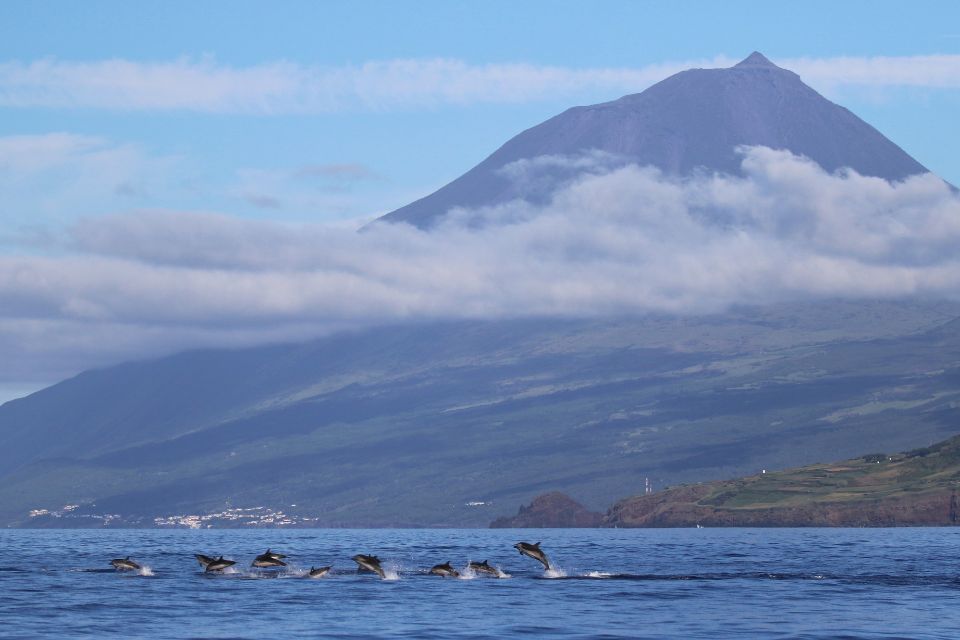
x=916, y=487
x=454, y=423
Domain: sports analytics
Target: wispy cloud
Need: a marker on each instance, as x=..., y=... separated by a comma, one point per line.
x=54, y=177
x=51, y=179
x=931, y=71
x=623, y=240
x=343, y=172
x=288, y=88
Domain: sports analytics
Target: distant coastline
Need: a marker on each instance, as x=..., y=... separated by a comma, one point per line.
x=914, y=488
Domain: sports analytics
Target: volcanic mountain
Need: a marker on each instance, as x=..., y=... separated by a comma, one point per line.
x=692, y=121
x=453, y=422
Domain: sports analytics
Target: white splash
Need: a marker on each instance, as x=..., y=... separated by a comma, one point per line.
x=145, y=571
x=554, y=572
x=391, y=574
x=598, y=574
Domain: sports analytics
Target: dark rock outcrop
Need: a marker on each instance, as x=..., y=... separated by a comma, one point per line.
x=550, y=510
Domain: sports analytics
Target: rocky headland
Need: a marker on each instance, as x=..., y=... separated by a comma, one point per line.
x=915, y=488
x=550, y=510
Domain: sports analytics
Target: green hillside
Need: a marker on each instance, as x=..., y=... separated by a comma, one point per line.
x=455, y=423
x=913, y=488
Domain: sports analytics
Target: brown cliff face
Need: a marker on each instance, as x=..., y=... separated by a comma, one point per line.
x=909, y=489
x=550, y=510
x=931, y=509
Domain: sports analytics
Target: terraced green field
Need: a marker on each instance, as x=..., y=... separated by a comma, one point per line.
x=915, y=487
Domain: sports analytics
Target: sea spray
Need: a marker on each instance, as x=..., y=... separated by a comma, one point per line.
x=391, y=571
x=554, y=572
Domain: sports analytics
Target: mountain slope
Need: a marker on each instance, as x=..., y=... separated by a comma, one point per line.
x=411, y=424
x=689, y=121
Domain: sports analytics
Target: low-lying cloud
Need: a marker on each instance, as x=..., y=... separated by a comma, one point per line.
x=614, y=239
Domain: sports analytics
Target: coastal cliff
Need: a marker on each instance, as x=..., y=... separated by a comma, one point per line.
x=878, y=490
x=915, y=488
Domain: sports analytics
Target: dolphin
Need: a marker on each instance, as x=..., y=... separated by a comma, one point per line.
x=484, y=567
x=319, y=573
x=368, y=563
x=203, y=560
x=444, y=570
x=219, y=565
x=268, y=559
x=125, y=564
x=533, y=551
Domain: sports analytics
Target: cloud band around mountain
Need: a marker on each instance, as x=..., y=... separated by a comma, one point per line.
x=612, y=240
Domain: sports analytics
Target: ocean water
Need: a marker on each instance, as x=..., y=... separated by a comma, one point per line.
x=615, y=583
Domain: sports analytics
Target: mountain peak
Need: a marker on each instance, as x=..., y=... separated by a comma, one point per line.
x=692, y=121
x=756, y=59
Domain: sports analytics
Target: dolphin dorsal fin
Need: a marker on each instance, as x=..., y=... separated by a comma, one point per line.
x=537, y=545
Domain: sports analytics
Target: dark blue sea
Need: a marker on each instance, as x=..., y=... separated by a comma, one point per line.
x=615, y=583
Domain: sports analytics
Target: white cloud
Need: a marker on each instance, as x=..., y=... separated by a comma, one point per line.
x=618, y=240
x=286, y=87
x=940, y=71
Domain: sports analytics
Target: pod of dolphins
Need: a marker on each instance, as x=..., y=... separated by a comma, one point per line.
x=273, y=560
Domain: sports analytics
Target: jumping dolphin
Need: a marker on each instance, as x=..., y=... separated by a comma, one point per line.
x=203, y=560
x=533, y=551
x=368, y=563
x=268, y=559
x=219, y=564
x=444, y=570
x=484, y=567
x=319, y=573
x=125, y=564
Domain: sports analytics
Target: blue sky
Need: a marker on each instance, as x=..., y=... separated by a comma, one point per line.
x=310, y=112
x=214, y=159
